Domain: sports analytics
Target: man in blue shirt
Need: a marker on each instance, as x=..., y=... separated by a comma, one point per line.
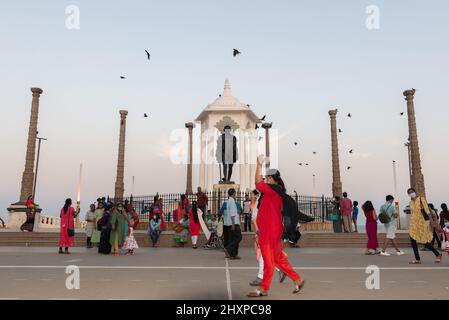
x=231, y=226
x=390, y=210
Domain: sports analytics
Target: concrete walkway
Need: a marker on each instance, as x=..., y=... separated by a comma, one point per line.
x=165, y=273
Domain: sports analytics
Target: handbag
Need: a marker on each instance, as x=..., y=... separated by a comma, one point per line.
x=100, y=224
x=423, y=212
x=178, y=228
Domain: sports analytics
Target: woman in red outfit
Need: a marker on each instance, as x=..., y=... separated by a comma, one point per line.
x=269, y=237
x=194, y=224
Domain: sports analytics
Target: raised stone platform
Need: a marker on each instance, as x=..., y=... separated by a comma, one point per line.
x=309, y=239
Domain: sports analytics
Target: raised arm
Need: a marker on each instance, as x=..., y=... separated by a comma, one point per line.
x=259, y=177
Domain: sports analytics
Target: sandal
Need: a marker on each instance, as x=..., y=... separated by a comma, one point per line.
x=257, y=293
x=438, y=260
x=415, y=262
x=298, y=287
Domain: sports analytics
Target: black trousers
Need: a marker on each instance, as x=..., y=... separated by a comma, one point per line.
x=227, y=171
x=427, y=246
x=235, y=237
x=226, y=234
x=437, y=238
x=88, y=241
x=248, y=220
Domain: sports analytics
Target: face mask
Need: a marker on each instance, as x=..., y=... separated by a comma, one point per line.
x=412, y=195
x=155, y=217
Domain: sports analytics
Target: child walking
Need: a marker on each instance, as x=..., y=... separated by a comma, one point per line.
x=130, y=243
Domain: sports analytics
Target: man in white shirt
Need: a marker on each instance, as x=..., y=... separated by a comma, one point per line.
x=231, y=227
x=247, y=214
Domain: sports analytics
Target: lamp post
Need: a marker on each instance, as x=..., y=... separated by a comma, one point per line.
x=37, y=166
x=410, y=173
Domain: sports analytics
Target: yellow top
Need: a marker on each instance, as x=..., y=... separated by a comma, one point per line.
x=418, y=228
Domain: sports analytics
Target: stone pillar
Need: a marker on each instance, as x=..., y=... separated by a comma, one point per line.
x=189, y=189
x=417, y=176
x=17, y=211
x=253, y=140
x=119, y=182
x=28, y=173
x=203, y=158
x=241, y=160
x=336, y=178
x=267, y=126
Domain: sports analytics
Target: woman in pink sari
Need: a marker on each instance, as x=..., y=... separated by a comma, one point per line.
x=371, y=228
x=67, y=231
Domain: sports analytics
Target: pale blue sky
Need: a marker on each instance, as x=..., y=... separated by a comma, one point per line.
x=299, y=59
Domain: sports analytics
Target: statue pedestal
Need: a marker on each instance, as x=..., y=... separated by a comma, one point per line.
x=18, y=215
x=225, y=186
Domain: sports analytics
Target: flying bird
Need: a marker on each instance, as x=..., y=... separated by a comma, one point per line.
x=148, y=54
x=300, y=163
x=351, y=151
x=307, y=164
x=219, y=95
x=296, y=143
x=248, y=105
x=260, y=138
x=145, y=115
x=402, y=113
x=263, y=118
x=122, y=77
x=314, y=152
x=339, y=131
x=349, y=115
x=257, y=127
x=349, y=168
x=236, y=52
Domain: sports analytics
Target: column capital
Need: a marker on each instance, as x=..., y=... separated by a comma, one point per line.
x=267, y=125
x=333, y=112
x=36, y=91
x=190, y=125
x=123, y=113
x=409, y=94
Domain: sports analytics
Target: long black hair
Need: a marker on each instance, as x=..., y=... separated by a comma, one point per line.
x=368, y=206
x=195, y=212
x=444, y=207
x=277, y=177
x=68, y=203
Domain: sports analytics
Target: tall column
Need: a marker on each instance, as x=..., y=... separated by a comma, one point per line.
x=417, y=176
x=336, y=178
x=203, y=158
x=28, y=173
x=253, y=140
x=119, y=182
x=267, y=127
x=242, y=154
x=189, y=189
x=17, y=211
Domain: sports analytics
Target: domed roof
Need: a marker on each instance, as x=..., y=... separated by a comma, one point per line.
x=226, y=99
x=227, y=102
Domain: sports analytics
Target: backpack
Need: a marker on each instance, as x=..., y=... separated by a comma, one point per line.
x=383, y=215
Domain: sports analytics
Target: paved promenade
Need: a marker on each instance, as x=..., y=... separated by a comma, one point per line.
x=164, y=273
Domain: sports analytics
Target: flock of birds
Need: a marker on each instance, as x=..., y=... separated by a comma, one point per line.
x=235, y=53
x=351, y=151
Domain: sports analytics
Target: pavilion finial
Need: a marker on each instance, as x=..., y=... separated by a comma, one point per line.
x=227, y=88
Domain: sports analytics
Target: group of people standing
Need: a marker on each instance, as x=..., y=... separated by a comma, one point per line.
x=425, y=225
x=110, y=227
